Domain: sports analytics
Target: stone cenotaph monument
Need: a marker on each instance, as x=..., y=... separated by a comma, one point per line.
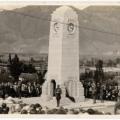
x=63, y=56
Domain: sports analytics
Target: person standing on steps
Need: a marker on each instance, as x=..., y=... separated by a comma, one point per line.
x=93, y=92
x=58, y=95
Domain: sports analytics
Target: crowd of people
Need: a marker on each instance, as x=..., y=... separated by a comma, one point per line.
x=19, y=89
x=8, y=91
x=101, y=92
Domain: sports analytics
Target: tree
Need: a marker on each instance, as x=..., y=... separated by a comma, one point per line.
x=117, y=60
x=99, y=74
x=32, y=60
x=28, y=68
x=4, y=77
x=15, y=67
x=111, y=63
x=41, y=76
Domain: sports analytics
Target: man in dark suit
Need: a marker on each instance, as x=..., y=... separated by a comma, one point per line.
x=58, y=95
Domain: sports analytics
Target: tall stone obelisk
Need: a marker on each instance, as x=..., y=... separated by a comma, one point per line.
x=63, y=57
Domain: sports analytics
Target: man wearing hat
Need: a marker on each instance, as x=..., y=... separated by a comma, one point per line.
x=58, y=95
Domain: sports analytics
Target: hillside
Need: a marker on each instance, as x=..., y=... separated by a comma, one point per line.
x=24, y=34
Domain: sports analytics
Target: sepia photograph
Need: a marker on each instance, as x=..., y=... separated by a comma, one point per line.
x=59, y=59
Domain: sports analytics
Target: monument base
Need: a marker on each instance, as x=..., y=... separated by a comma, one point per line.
x=63, y=101
x=73, y=88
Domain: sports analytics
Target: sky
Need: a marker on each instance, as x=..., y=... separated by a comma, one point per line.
x=10, y=6
x=80, y=4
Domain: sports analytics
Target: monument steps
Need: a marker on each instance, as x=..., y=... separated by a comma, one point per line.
x=64, y=101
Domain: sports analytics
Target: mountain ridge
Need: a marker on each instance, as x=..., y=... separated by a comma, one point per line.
x=24, y=34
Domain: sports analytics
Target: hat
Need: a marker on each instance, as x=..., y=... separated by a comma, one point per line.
x=61, y=111
x=33, y=111
x=4, y=105
x=24, y=112
x=1, y=110
x=91, y=111
x=37, y=105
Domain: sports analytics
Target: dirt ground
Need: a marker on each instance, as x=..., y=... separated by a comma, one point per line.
x=106, y=107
